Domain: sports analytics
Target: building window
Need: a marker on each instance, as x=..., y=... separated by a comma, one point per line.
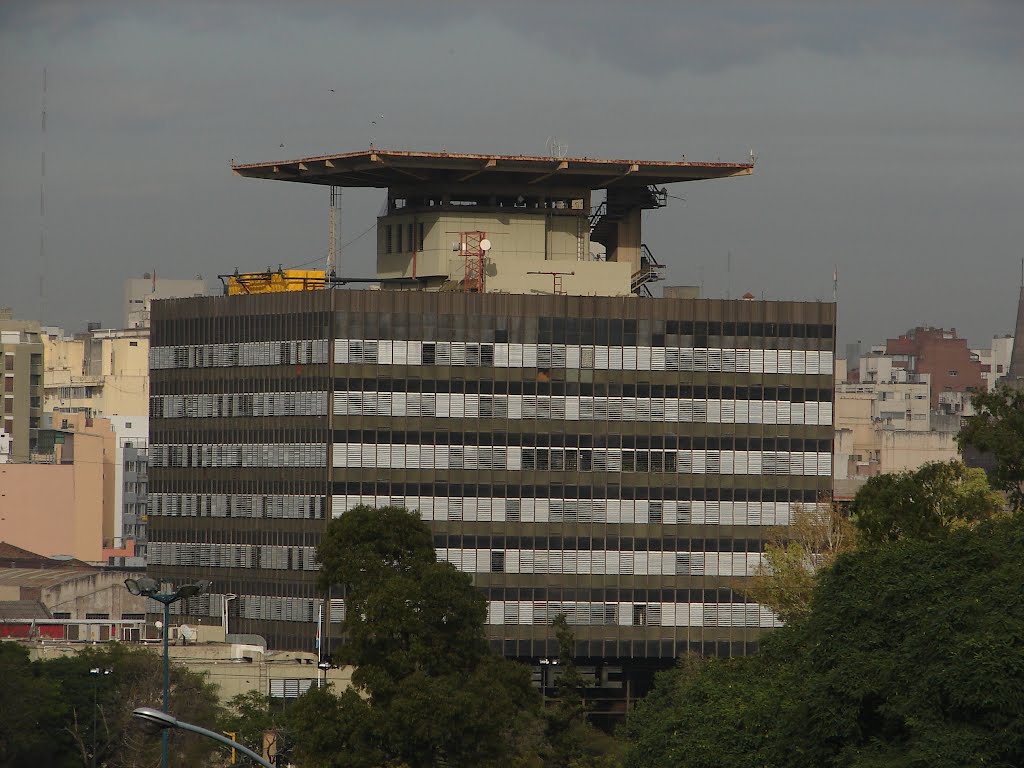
x=387, y=239
x=133, y=616
x=497, y=561
x=290, y=687
x=8, y=362
x=62, y=614
x=398, y=238
x=952, y=373
x=97, y=615
x=133, y=343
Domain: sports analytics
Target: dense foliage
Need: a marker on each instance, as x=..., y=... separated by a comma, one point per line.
x=911, y=655
x=59, y=713
x=795, y=554
x=998, y=430
x=427, y=689
x=924, y=502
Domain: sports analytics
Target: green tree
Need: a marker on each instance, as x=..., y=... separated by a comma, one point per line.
x=252, y=714
x=936, y=497
x=30, y=708
x=427, y=689
x=59, y=713
x=998, y=430
x=796, y=554
x=910, y=655
x=709, y=714
x=574, y=740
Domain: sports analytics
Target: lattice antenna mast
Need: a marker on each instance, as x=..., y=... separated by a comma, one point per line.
x=474, y=247
x=335, y=226
x=42, y=206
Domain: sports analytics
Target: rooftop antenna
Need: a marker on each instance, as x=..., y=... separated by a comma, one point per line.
x=373, y=126
x=728, y=269
x=335, y=226
x=555, y=149
x=42, y=206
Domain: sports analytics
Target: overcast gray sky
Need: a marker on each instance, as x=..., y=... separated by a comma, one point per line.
x=889, y=138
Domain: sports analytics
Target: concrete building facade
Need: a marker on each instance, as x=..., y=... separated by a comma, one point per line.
x=140, y=292
x=105, y=373
x=64, y=506
x=575, y=446
x=945, y=357
x=21, y=399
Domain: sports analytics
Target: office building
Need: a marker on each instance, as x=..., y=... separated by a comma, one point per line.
x=576, y=446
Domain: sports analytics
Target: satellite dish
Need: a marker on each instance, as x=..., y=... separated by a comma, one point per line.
x=485, y=245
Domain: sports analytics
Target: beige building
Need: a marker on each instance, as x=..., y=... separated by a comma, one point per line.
x=67, y=588
x=99, y=373
x=140, y=292
x=21, y=355
x=65, y=507
x=995, y=360
x=523, y=253
x=234, y=667
x=883, y=423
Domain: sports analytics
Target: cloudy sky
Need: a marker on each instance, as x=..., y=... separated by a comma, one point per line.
x=889, y=138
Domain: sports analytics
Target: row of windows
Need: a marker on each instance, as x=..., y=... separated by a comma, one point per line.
x=253, y=404
x=582, y=510
x=239, y=455
x=575, y=561
x=615, y=594
x=598, y=491
x=267, y=557
x=237, y=505
x=240, y=354
x=295, y=321
x=613, y=541
x=572, y=330
x=569, y=356
x=603, y=562
x=535, y=612
x=632, y=614
x=586, y=440
x=488, y=386
x=387, y=456
x=528, y=407
x=392, y=236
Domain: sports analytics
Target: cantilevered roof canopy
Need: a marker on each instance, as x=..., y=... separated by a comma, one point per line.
x=385, y=168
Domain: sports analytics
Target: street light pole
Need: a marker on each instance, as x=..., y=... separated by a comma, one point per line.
x=167, y=680
x=149, y=587
x=153, y=719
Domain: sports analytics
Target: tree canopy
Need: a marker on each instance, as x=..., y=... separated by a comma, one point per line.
x=796, y=553
x=910, y=655
x=427, y=688
x=923, y=502
x=998, y=430
x=58, y=712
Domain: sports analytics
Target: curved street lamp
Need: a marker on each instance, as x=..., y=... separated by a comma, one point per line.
x=150, y=587
x=154, y=721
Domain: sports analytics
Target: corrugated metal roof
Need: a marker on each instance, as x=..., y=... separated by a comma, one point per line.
x=22, y=609
x=42, y=577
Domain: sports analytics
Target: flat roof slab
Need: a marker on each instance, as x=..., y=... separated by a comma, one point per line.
x=378, y=168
